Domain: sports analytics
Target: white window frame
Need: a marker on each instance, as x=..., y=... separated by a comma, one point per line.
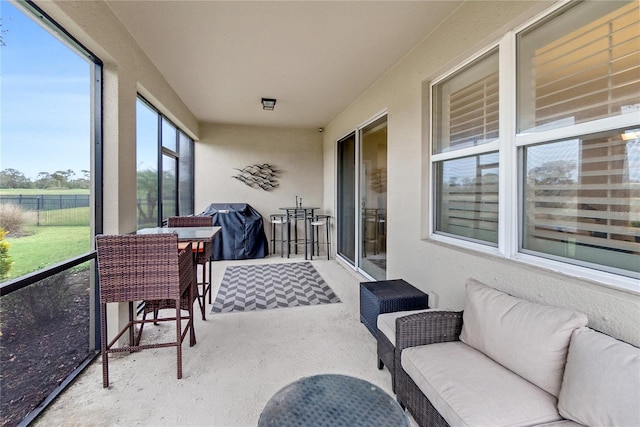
x=508, y=146
x=465, y=152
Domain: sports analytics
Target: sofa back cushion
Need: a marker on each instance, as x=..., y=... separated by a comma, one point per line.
x=601, y=385
x=527, y=338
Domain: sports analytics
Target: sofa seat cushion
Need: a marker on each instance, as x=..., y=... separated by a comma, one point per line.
x=387, y=322
x=563, y=423
x=469, y=389
x=527, y=338
x=601, y=385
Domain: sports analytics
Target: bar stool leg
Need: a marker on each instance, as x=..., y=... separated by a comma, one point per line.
x=289, y=220
x=273, y=236
x=282, y=240
x=295, y=234
x=210, y=283
x=304, y=222
x=328, y=226
x=310, y=220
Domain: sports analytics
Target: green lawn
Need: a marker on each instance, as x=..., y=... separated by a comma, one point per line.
x=46, y=246
x=61, y=217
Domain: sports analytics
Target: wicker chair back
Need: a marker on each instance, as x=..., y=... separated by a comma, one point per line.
x=190, y=221
x=146, y=268
x=138, y=267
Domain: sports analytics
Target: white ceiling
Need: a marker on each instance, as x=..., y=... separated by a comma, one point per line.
x=314, y=57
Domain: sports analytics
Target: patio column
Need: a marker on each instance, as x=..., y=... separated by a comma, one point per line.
x=119, y=159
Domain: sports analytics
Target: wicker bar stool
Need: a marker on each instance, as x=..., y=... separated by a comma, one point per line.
x=281, y=220
x=315, y=223
x=145, y=268
x=204, y=252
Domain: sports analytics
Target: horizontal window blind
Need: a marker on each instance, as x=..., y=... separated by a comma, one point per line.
x=473, y=113
x=466, y=106
x=590, y=73
x=468, y=197
x=586, y=206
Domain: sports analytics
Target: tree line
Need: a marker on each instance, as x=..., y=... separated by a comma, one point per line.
x=67, y=179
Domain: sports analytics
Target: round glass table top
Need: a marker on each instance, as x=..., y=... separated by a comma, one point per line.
x=332, y=400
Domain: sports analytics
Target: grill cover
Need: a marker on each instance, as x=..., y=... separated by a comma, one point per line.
x=242, y=235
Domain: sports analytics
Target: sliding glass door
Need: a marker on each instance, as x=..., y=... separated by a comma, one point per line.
x=362, y=198
x=346, y=203
x=162, y=146
x=373, y=199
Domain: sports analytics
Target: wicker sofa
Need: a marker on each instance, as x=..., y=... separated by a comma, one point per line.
x=505, y=361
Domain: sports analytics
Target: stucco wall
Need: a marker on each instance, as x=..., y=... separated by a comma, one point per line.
x=437, y=268
x=297, y=153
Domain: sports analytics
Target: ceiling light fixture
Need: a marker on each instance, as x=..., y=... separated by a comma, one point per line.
x=268, y=104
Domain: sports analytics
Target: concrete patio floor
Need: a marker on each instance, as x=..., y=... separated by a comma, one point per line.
x=239, y=362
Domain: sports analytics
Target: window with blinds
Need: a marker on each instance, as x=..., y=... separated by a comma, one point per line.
x=575, y=185
x=467, y=106
x=468, y=198
x=466, y=186
x=581, y=196
x=578, y=68
x=582, y=199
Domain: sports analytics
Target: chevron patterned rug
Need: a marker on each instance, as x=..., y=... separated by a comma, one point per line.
x=266, y=286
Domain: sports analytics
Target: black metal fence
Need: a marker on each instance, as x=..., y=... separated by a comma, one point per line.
x=52, y=209
x=46, y=202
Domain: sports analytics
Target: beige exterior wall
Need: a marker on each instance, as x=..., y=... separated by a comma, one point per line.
x=437, y=268
x=297, y=153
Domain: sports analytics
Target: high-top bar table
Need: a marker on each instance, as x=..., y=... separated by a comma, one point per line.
x=199, y=235
x=298, y=213
x=186, y=234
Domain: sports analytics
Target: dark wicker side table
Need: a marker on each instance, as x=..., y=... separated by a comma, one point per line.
x=387, y=296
